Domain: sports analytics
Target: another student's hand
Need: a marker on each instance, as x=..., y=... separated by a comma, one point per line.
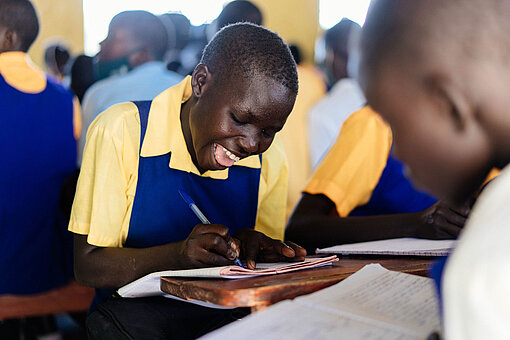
x=208, y=245
x=256, y=246
x=441, y=221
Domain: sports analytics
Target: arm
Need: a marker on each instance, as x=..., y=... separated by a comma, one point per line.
x=313, y=226
x=111, y=267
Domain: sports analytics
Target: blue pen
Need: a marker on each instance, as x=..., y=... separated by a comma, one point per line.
x=201, y=216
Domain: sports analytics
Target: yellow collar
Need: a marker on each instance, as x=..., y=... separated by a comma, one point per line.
x=19, y=71
x=164, y=133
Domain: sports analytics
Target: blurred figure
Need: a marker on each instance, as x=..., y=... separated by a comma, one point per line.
x=82, y=75
x=178, y=28
x=239, y=11
x=40, y=124
x=312, y=87
x=345, y=97
x=56, y=57
x=136, y=43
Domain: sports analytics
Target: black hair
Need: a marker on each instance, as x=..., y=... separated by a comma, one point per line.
x=20, y=16
x=246, y=49
x=146, y=28
x=239, y=11
x=296, y=53
x=337, y=37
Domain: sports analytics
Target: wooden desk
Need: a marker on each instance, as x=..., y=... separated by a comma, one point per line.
x=262, y=291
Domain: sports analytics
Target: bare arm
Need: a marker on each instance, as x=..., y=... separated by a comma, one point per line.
x=109, y=267
x=313, y=226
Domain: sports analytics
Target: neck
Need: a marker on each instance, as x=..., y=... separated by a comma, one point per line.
x=186, y=130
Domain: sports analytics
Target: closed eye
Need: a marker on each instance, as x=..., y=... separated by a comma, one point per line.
x=235, y=119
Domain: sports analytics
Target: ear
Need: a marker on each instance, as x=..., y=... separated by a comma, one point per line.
x=8, y=40
x=200, y=79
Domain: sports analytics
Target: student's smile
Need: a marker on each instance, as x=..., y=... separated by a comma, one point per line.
x=233, y=119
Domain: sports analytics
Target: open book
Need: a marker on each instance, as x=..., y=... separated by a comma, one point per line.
x=149, y=285
x=396, y=246
x=374, y=303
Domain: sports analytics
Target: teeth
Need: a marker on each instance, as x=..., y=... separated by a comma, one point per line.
x=231, y=155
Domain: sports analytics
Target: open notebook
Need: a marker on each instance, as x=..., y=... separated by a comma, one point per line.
x=396, y=246
x=372, y=304
x=149, y=284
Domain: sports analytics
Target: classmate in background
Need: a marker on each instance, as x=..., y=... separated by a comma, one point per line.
x=181, y=27
x=239, y=11
x=40, y=122
x=326, y=117
x=359, y=193
x=438, y=72
x=136, y=42
x=203, y=136
x=56, y=57
x=312, y=88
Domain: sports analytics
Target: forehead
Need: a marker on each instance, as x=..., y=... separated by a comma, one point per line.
x=263, y=97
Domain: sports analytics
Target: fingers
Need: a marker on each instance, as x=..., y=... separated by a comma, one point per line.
x=251, y=247
x=299, y=251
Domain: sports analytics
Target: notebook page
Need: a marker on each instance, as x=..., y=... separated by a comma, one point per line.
x=403, y=300
x=397, y=246
x=322, y=315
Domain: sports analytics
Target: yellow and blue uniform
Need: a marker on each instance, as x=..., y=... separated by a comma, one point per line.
x=360, y=175
x=39, y=120
x=136, y=160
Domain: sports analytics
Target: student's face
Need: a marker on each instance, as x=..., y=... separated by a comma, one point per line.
x=235, y=119
x=434, y=109
x=118, y=44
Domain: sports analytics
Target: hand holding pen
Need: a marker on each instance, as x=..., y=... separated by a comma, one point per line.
x=210, y=233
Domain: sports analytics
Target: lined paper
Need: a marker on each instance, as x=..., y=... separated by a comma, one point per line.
x=397, y=246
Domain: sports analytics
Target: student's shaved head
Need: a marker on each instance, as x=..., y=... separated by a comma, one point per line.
x=403, y=29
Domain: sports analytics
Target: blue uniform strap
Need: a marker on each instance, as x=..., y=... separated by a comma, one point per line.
x=144, y=107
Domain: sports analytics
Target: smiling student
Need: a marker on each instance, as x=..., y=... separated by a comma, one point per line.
x=438, y=72
x=210, y=136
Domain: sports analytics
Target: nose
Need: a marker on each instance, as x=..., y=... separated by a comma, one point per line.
x=250, y=143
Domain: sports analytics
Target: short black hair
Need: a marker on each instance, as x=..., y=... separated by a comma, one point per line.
x=247, y=49
x=239, y=11
x=337, y=37
x=20, y=16
x=146, y=28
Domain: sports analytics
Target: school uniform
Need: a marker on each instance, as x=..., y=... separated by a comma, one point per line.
x=40, y=122
x=127, y=193
x=361, y=176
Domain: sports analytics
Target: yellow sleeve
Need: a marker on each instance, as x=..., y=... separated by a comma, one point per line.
x=108, y=177
x=77, y=121
x=273, y=192
x=352, y=168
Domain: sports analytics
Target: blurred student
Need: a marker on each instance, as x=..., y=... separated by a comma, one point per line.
x=359, y=193
x=178, y=28
x=326, y=117
x=56, y=57
x=136, y=43
x=312, y=88
x=239, y=11
x=448, y=107
x=40, y=123
x=210, y=136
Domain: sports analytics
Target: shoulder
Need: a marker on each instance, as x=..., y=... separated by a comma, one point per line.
x=274, y=159
x=117, y=120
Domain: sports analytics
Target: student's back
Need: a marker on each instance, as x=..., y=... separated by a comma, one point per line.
x=39, y=151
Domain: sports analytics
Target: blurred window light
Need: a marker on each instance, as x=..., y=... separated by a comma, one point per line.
x=332, y=11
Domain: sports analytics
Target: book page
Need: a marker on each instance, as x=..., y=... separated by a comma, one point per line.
x=373, y=303
x=397, y=246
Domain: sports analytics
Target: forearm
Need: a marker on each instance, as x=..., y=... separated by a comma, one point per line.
x=114, y=267
x=319, y=231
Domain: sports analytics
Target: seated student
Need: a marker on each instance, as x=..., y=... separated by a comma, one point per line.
x=447, y=103
x=40, y=122
x=203, y=136
x=361, y=177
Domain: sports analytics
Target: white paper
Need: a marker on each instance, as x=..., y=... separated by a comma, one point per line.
x=397, y=246
x=373, y=303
